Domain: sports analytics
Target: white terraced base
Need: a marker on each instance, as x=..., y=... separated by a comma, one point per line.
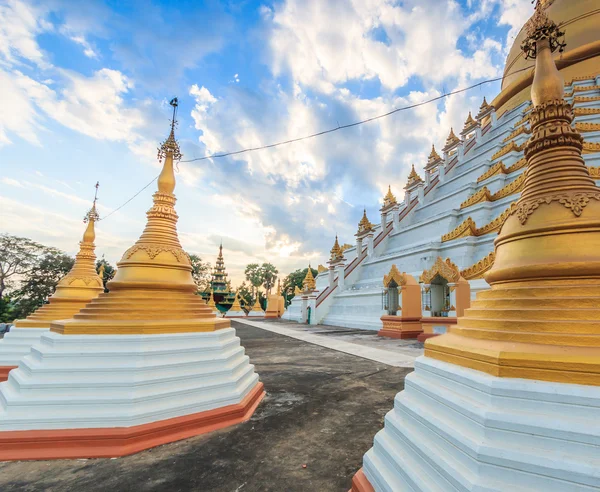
x=17, y=343
x=255, y=314
x=459, y=429
x=236, y=314
x=104, y=381
x=294, y=310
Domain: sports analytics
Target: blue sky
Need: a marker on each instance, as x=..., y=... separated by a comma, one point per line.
x=86, y=87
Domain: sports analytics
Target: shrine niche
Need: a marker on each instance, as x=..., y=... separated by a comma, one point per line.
x=445, y=295
x=402, y=305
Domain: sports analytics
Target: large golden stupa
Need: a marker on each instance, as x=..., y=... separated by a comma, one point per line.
x=153, y=290
x=580, y=20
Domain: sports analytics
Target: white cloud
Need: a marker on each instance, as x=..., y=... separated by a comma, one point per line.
x=324, y=43
x=20, y=23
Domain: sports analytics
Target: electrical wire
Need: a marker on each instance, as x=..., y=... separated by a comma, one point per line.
x=339, y=127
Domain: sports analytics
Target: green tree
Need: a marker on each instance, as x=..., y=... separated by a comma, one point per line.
x=40, y=282
x=254, y=275
x=269, y=276
x=245, y=293
x=295, y=279
x=200, y=273
x=18, y=257
x=109, y=271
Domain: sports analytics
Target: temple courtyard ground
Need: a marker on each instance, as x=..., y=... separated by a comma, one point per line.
x=328, y=390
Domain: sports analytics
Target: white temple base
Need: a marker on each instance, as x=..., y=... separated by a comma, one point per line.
x=17, y=343
x=256, y=314
x=235, y=314
x=107, y=381
x=458, y=429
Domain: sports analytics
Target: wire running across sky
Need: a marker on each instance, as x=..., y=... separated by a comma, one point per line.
x=339, y=127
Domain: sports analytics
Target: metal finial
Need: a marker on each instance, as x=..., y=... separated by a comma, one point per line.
x=92, y=214
x=170, y=144
x=539, y=27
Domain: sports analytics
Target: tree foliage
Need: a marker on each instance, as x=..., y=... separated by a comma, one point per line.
x=269, y=273
x=245, y=293
x=18, y=257
x=200, y=273
x=254, y=275
x=109, y=271
x=295, y=279
x=40, y=282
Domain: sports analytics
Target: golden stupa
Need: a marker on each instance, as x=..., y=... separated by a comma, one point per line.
x=580, y=18
x=153, y=290
x=77, y=288
x=309, y=282
x=540, y=319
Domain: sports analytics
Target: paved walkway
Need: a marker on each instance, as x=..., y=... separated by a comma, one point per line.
x=361, y=343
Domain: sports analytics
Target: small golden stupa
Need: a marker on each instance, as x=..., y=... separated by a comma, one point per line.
x=153, y=290
x=540, y=319
x=77, y=288
x=364, y=226
x=309, y=283
x=389, y=200
x=336, y=251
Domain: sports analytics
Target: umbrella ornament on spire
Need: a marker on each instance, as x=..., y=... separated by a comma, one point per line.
x=170, y=145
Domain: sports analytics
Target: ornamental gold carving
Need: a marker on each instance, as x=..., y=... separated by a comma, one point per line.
x=87, y=280
x=444, y=268
x=155, y=249
x=477, y=270
x=511, y=147
x=583, y=88
x=469, y=228
x=585, y=111
x=575, y=202
x=517, y=132
x=483, y=195
x=587, y=127
x=585, y=99
x=591, y=147
x=394, y=275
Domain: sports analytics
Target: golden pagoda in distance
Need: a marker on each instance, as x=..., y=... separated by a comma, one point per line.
x=73, y=292
x=145, y=364
x=509, y=398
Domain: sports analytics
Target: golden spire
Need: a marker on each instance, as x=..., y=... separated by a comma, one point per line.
x=77, y=287
x=451, y=140
x=309, y=283
x=257, y=307
x=537, y=320
x=336, y=251
x=364, y=225
x=470, y=123
x=389, y=199
x=434, y=156
x=413, y=178
x=484, y=109
x=211, y=300
x=153, y=290
x=236, y=306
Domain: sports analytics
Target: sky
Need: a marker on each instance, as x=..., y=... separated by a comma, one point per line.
x=85, y=90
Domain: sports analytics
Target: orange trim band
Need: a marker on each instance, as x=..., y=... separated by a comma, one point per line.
x=360, y=483
x=4, y=370
x=122, y=441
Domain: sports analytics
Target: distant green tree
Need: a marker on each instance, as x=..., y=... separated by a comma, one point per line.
x=269, y=276
x=18, y=257
x=40, y=282
x=109, y=271
x=254, y=275
x=245, y=294
x=200, y=273
x=295, y=279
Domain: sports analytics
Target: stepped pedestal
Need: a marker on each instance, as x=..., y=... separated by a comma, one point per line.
x=97, y=396
x=455, y=428
x=15, y=345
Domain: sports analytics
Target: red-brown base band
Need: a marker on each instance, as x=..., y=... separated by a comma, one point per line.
x=268, y=315
x=360, y=483
x=122, y=441
x=399, y=333
x=424, y=336
x=4, y=370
